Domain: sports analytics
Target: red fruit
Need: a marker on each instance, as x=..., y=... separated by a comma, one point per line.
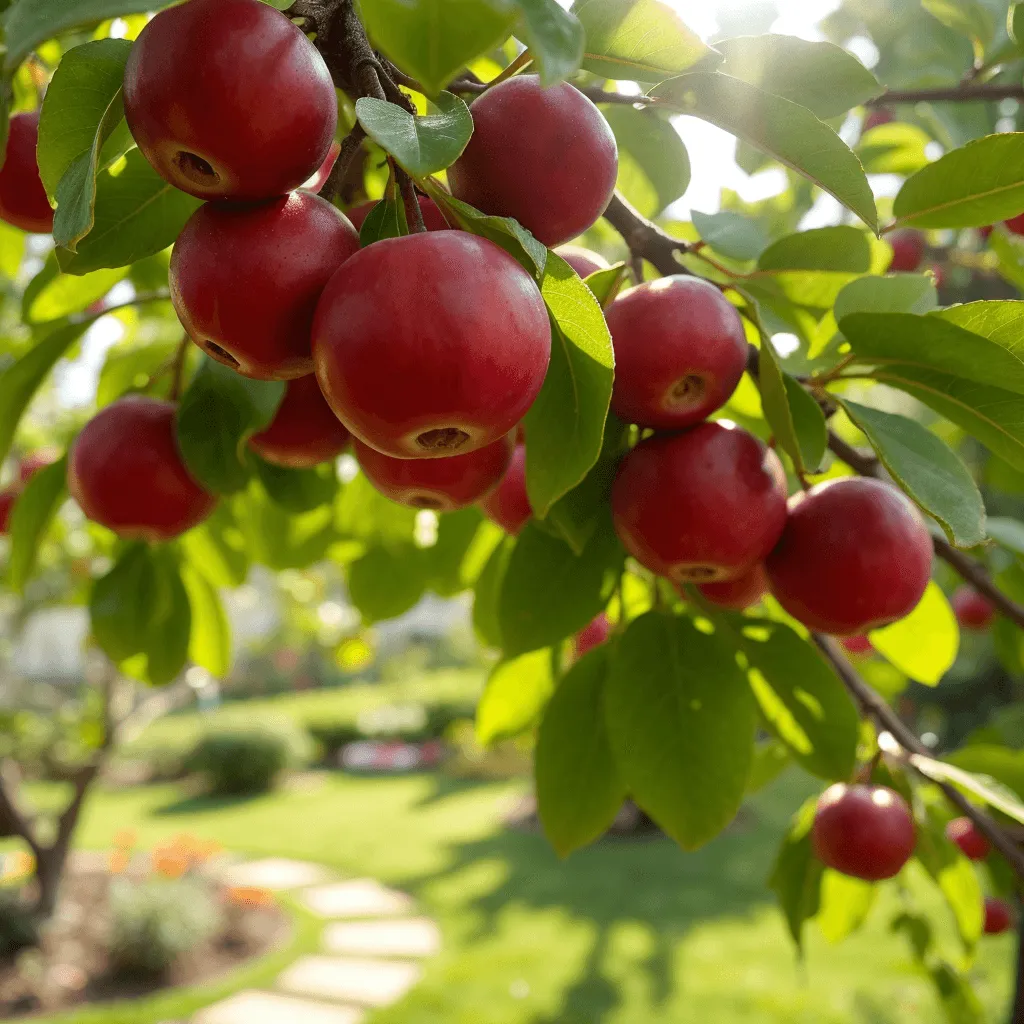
x=543, y=156
x=908, y=249
x=973, y=611
x=441, y=484
x=863, y=831
x=304, y=432
x=998, y=916
x=855, y=556
x=31, y=464
x=702, y=506
x=126, y=472
x=245, y=281
x=433, y=218
x=508, y=504
x=227, y=99
x=680, y=351
x=23, y=201
x=583, y=261
x=963, y=832
x=1015, y=225
x=985, y=232
x=857, y=644
x=431, y=344
x=319, y=177
x=877, y=117
x=592, y=635
x=7, y=499
x=739, y=593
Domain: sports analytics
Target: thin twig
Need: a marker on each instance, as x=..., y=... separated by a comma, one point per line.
x=157, y=295
x=965, y=92
x=413, y=213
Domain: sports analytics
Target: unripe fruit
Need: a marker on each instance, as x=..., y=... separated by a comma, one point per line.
x=433, y=218
x=23, y=201
x=126, y=472
x=7, y=499
x=508, y=504
x=543, y=156
x=680, y=351
x=702, y=506
x=965, y=834
x=227, y=99
x=245, y=281
x=998, y=916
x=592, y=635
x=583, y=261
x=877, y=117
x=441, y=484
x=304, y=432
x=432, y=344
x=857, y=644
x=973, y=611
x=908, y=247
x=855, y=556
x=739, y=593
x=863, y=831
x=1015, y=225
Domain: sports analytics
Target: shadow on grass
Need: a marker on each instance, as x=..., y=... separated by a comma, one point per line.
x=204, y=803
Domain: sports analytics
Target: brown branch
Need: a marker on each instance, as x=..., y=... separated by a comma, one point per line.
x=413, y=213
x=350, y=146
x=645, y=239
x=10, y=813
x=965, y=92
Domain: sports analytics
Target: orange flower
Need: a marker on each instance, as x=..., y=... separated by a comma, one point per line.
x=249, y=896
x=170, y=862
x=119, y=861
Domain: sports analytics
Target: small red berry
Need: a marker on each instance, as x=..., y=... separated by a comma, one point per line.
x=1015, y=225
x=973, y=610
x=739, y=593
x=908, y=248
x=965, y=834
x=595, y=633
x=583, y=261
x=304, y=432
x=986, y=232
x=23, y=201
x=7, y=499
x=877, y=117
x=857, y=644
x=998, y=916
x=433, y=218
x=508, y=504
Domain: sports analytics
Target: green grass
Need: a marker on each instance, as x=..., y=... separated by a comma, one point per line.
x=626, y=932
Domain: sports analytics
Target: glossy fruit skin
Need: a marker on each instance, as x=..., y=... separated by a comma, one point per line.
x=23, y=201
x=680, y=351
x=583, y=261
x=304, y=432
x=998, y=916
x=8, y=497
x=702, y=506
x=972, y=843
x=855, y=556
x=227, y=99
x=908, y=248
x=973, y=610
x=543, y=156
x=245, y=281
x=592, y=635
x=508, y=505
x=440, y=484
x=432, y=344
x=857, y=644
x=1015, y=225
x=739, y=593
x=863, y=831
x=126, y=472
x=433, y=218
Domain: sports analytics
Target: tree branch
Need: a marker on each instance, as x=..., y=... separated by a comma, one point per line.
x=645, y=239
x=964, y=92
x=10, y=813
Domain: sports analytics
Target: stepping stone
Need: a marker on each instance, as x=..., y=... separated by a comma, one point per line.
x=360, y=898
x=275, y=873
x=415, y=937
x=265, y=1008
x=350, y=980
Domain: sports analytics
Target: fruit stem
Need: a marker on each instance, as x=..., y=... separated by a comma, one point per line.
x=520, y=62
x=413, y=213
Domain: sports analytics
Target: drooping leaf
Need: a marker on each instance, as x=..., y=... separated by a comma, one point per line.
x=387, y=219
x=487, y=593
x=554, y=36
x=33, y=512
x=924, y=645
x=1006, y=531
x=968, y=17
x=992, y=774
x=386, y=583
x=51, y=295
x=297, y=490
x=218, y=545
x=894, y=149
x=843, y=248
x=279, y=539
x=796, y=878
x=794, y=416
x=606, y=284
x=897, y=293
x=845, y=904
x=731, y=234
x=515, y=697
x=210, y=639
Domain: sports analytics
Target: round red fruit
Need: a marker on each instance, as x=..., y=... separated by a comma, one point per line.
x=245, y=281
x=702, y=506
x=543, y=156
x=1015, y=225
x=304, y=432
x=433, y=218
x=998, y=916
x=583, y=261
x=441, y=484
x=228, y=99
x=592, y=635
x=863, y=831
x=877, y=117
x=126, y=472
x=508, y=504
x=855, y=556
x=739, y=593
x=973, y=610
x=680, y=351
x=432, y=344
x=965, y=834
x=857, y=644
x=908, y=248
x=23, y=201
x=7, y=499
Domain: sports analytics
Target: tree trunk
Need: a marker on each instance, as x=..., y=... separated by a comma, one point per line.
x=49, y=875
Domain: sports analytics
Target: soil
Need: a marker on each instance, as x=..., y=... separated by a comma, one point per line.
x=70, y=966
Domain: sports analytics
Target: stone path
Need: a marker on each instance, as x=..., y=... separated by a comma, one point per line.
x=371, y=950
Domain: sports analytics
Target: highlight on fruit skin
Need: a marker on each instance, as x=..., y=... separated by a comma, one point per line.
x=508, y=505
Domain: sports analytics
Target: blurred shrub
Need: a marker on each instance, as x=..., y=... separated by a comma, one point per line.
x=242, y=761
x=17, y=923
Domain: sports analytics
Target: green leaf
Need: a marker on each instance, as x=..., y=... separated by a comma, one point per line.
x=555, y=39
x=845, y=904
x=515, y=697
x=796, y=878
x=679, y=711
x=1015, y=23
x=386, y=583
x=387, y=219
x=821, y=76
x=219, y=411
x=785, y=130
x=606, y=284
x=51, y=295
x=971, y=187
x=967, y=17
x=458, y=533
x=565, y=425
x=487, y=593
x=731, y=234
x=808, y=423
x=280, y=539
x=365, y=514
x=297, y=490
x=1001, y=321
x=802, y=699
x=422, y=145
x=130, y=369
x=31, y=517
x=898, y=293
x=218, y=545
x=1006, y=531
x=924, y=645
x=136, y=215
x=432, y=40
x=894, y=149
x=927, y=469
x=210, y=639
x=638, y=40
x=992, y=774
x=771, y=759
x=794, y=416
x=579, y=791
x=846, y=249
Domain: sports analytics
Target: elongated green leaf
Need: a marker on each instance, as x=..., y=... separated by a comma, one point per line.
x=33, y=512
x=924, y=645
x=785, y=130
x=515, y=697
x=51, y=295
x=968, y=17
x=679, y=710
x=386, y=583
x=1006, y=531
x=808, y=423
x=1001, y=322
x=565, y=425
x=579, y=791
x=387, y=219
x=280, y=539
x=894, y=149
x=731, y=234
x=979, y=184
x=554, y=36
x=775, y=402
x=1015, y=23
x=210, y=640
x=218, y=545
x=797, y=876
x=297, y=490
x=845, y=249
x=606, y=284
x=487, y=593
x=993, y=774
x=821, y=76
x=898, y=293
x=845, y=904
